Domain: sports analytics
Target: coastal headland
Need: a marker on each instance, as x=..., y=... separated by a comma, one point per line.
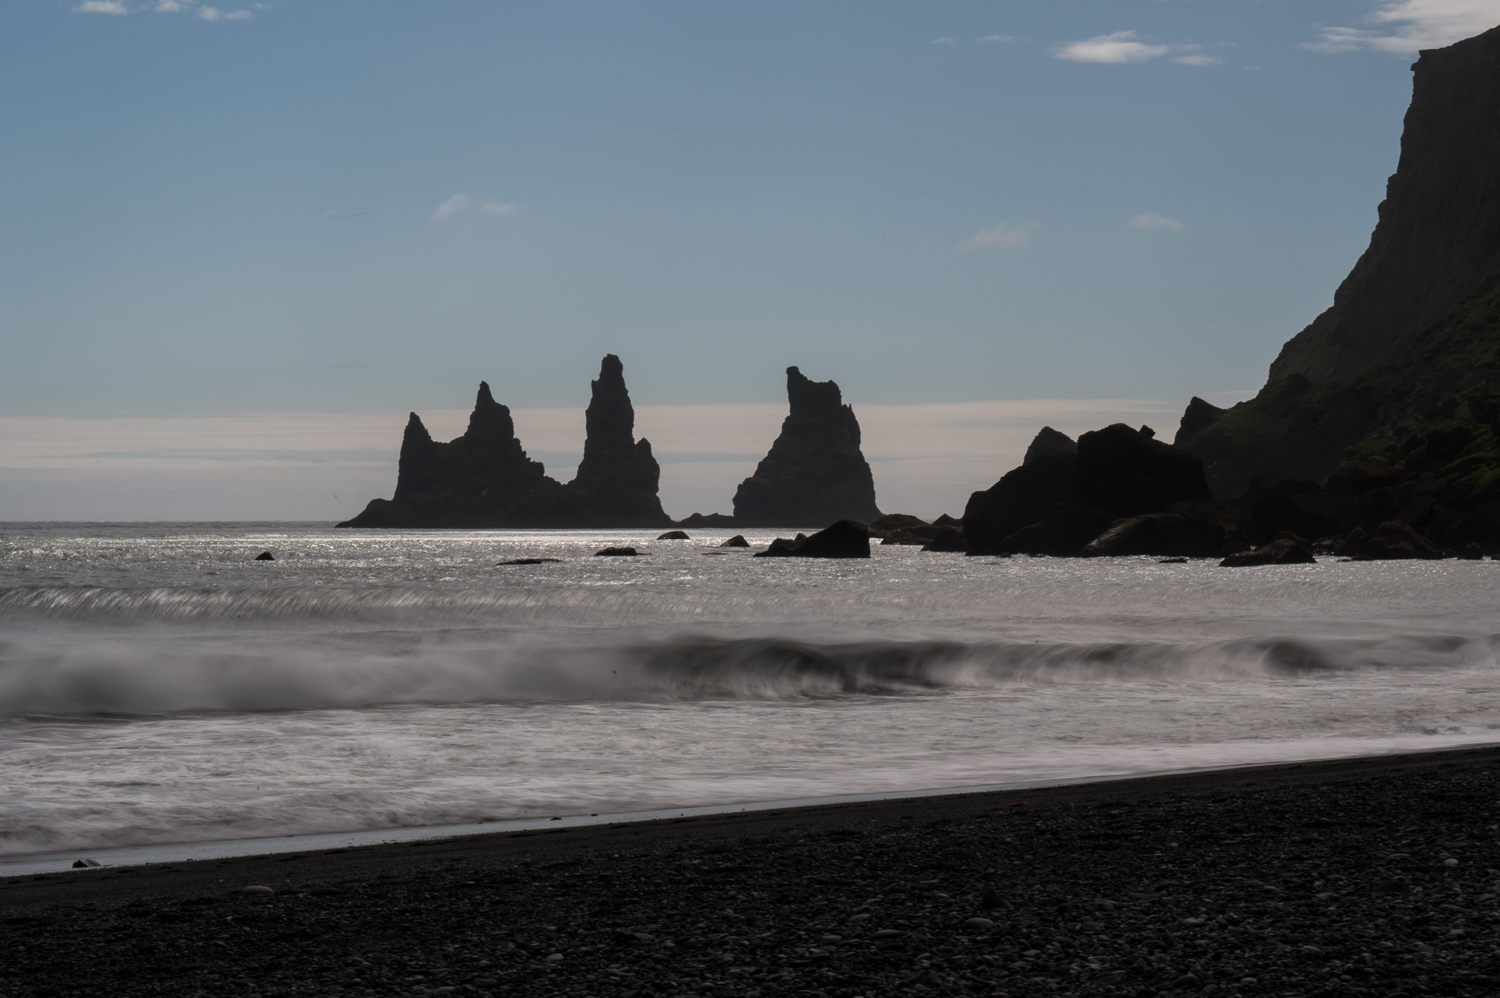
x=1372, y=876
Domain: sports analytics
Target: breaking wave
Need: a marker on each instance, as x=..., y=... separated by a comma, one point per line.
x=159, y=673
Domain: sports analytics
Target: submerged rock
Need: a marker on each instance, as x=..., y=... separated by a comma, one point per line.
x=844, y=539
x=265, y=556
x=1394, y=540
x=1285, y=551
x=674, y=535
x=737, y=541
x=616, y=553
x=814, y=472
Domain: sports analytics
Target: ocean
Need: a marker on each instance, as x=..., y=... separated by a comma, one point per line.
x=158, y=685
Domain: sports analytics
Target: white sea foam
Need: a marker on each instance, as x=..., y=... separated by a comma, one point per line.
x=156, y=685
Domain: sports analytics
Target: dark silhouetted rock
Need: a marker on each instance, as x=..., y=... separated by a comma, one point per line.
x=616, y=553
x=814, y=472
x=1471, y=552
x=1408, y=344
x=673, y=535
x=1021, y=498
x=737, y=541
x=1124, y=472
x=265, y=556
x=528, y=561
x=1062, y=532
x=483, y=479
x=706, y=520
x=1302, y=507
x=844, y=539
x=890, y=522
x=1048, y=443
x=951, y=539
x=1282, y=552
x=1194, y=529
x=1395, y=540
x=913, y=535
x=1057, y=504
x=947, y=521
x=617, y=480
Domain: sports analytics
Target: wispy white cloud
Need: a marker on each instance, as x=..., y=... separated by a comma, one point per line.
x=1119, y=47
x=215, y=14
x=1407, y=26
x=1149, y=223
x=1198, y=60
x=945, y=40
x=457, y=202
x=996, y=38
x=168, y=7
x=499, y=208
x=102, y=7
x=1002, y=236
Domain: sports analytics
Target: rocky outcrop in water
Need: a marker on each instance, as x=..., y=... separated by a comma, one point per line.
x=483, y=479
x=814, y=472
x=1058, y=503
x=844, y=539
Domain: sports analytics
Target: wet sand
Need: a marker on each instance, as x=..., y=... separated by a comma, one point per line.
x=1375, y=876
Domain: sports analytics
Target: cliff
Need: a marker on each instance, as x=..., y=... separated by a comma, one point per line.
x=814, y=473
x=1367, y=373
x=483, y=479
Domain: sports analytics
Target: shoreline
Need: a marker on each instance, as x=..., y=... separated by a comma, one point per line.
x=59, y=861
x=1369, y=875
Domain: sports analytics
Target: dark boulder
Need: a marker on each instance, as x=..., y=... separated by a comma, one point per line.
x=737, y=541
x=616, y=553
x=844, y=539
x=1281, y=552
x=1056, y=504
x=1395, y=540
x=1126, y=473
x=528, y=561
x=1021, y=498
x=1195, y=529
x=702, y=520
x=265, y=556
x=674, y=535
x=1063, y=532
x=951, y=539
x=947, y=521
x=892, y=522
x=814, y=472
x=1047, y=443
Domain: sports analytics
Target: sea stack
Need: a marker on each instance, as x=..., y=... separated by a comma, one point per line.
x=484, y=479
x=814, y=473
x=617, y=480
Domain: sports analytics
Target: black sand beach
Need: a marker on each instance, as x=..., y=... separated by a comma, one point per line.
x=1364, y=877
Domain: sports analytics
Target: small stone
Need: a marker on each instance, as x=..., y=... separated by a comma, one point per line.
x=978, y=923
x=85, y=864
x=554, y=957
x=256, y=889
x=485, y=982
x=885, y=934
x=1450, y=861
x=1107, y=905
x=1248, y=982
x=833, y=939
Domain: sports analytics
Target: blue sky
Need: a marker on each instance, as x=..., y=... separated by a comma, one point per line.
x=365, y=206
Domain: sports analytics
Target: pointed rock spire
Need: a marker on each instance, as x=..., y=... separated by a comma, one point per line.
x=617, y=480
x=814, y=473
